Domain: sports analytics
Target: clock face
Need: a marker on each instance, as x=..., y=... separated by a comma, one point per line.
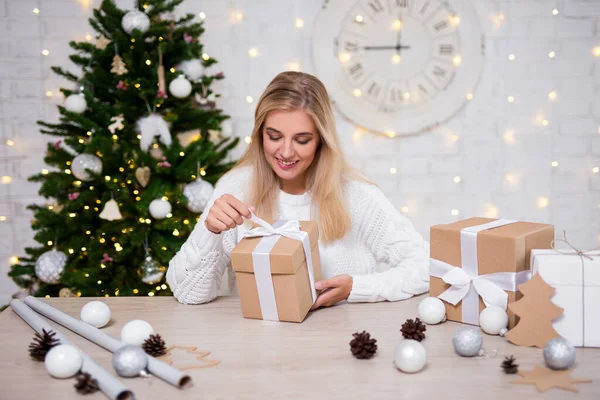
x=398, y=66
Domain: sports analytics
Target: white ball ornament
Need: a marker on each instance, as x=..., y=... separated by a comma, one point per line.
x=432, y=311
x=75, y=103
x=180, y=87
x=135, y=19
x=95, y=313
x=197, y=194
x=193, y=69
x=493, y=320
x=83, y=162
x=63, y=361
x=159, y=209
x=50, y=265
x=136, y=332
x=410, y=356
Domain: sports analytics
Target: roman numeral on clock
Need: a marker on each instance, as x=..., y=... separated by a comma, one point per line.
x=401, y=3
x=446, y=49
x=356, y=70
x=423, y=9
x=439, y=72
x=422, y=89
x=375, y=5
x=351, y=46
x=441, y=25
x=396, y=95
x=373, y=90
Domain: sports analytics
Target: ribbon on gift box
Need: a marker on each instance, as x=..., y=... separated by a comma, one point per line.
x=262, y=263
x=466, y=283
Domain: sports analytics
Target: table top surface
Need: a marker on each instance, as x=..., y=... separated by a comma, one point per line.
x=262, y=359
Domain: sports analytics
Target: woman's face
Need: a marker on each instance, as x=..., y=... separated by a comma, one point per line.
x=290, y=142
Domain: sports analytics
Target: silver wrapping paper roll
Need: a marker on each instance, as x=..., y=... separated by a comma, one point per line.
x=158, y=368
x=108, y=384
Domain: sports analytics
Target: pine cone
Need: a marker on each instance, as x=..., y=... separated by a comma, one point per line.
x=509, y=366
x=42, y=344
x=155, y=346
x=362, y=346
x=413, y=329
x=86, y=384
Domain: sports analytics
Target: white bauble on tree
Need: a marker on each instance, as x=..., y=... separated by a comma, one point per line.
x=75, y=103
x=193, y=69
x=197, y=194
x=63, y=361
x=50, y=265
x=135, y=19
x=226, y=129
x=83, y=162
x=159, y=208
x=180, y=87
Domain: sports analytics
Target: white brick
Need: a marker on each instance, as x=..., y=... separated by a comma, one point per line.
x=24, y=27
x=64, y=8
x=427, y=144
x=578, y=127
x=543, y=27
x=447, y=164
x=596, y=146
x=66, y=28
x=382, y=165
x=414, y=166
x=571, y=146
x=27, y=89
x=572, y=28
x=24, y=9
x=530, y=8
x=418, y=185
x=22, y=110
x=20, y=69
x=570, y=183
x=27, y=48
x=576, y=8
x=5, y=91
x=2, y=9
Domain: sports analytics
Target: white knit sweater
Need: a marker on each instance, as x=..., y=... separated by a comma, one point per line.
x=386, y=257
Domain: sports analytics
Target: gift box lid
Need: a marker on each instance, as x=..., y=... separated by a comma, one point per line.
x=565, y=268
x=286, y=256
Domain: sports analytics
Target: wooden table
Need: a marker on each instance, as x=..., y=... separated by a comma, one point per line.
x=268, y=360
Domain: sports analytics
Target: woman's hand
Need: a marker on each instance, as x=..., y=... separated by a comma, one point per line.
x=334, y=290
x=226, y=213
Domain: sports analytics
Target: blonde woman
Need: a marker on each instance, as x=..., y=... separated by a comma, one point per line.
x=294, y=168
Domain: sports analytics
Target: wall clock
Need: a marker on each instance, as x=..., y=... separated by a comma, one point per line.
x=398, y=66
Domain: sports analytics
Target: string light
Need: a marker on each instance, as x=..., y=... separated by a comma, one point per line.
x=359, y=18
x=294, y=66
x=10, y=143
x=49, y=93
x=2, y=218
x=148, y=62
x=501, y=17
x=88, y=37
x=172, y=70
x=151, y=294
x=202, y=15
x=249, y=99
x=36, y=10
x=542, y=202
x=175, y=232
x=344, y=57
x=205, y=56
x=552, y=95
x=253, y=52
x=390, y=134
x=551, y=54
x=454, y=20
x=510, y=99
x=595, y=170
x=239, y=16
x=357, y=92
x=555, y=12
x=454, y=212
x=509, y=137
x=456, y=61
x=45, y=52
x=135, y=291
x=299, y=23
x=470, y=96
x=71, y=251
x=14, y=260
x=393, y=171
x=511, y=57
x=396, y=59
x=596, y=51
x=404, y=209
x=6, y=179
x=397, y=25
x=248, y=139
x=181, y=154
x=457, y=179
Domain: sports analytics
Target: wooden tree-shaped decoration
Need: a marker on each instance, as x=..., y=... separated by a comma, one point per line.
x=536, y=312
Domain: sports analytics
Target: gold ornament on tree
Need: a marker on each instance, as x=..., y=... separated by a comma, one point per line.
x=142, y=174
x=118, y=66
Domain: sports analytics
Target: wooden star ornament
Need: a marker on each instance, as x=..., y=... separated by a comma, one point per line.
x=544, y=379
x=102, y=42
x=198, y=356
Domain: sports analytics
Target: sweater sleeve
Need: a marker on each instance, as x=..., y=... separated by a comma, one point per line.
x=401, y=254
x=196, y=271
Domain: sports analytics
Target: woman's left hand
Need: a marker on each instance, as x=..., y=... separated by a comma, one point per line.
x=334, y=290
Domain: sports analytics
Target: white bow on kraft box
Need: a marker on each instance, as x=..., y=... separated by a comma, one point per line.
x=576, y=277
x=276, y=268
x=481, y=261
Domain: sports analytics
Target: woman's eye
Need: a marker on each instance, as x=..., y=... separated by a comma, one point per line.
x=302, y=141
x=274, y=138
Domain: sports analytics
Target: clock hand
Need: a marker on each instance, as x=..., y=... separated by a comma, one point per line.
x=397, y=48
x=399, y=36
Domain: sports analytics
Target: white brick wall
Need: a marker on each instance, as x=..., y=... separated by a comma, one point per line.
x=499, y=176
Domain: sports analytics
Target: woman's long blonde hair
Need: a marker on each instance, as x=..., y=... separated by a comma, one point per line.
x=291, y=91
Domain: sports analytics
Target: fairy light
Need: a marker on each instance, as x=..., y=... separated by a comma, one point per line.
x=202, y=15
x=396, y=59
x=239, y=16
x=551, y=54
x=491, y=211
x=163, y=286
x=181, y=154
x=509, y=136
x=186, y=221
x=595, y=170
x=456, y=60
x=2, y=218
x=45, y=52
x=470, y=96
x=299, y=23
x=137, y=85
x=14, y=260
x=357, y=92
x=148, y=62
x=89, y=133
x=510, y=99
x=88, y=37
x=404, y=209
x=293, y=66
x=406, y=96
x=552, y=95
x=175, y=232
x=72, y=215
x=359, y=18
x=164, y=198
x=390, y=134
x=511, y=57
x=36, y=10
x=135, y=291
x=344, y=57
x=545, y=122
x=6, y=179
x=454, y=212
x=249, y=99
x=203, y=172
x=49, y=93
x=393, y=171
x=554, y=164
x=86, y=207
x=172, y=70
x=49, y=242
x=151, y=294
x=555, y=12
x=596, y=51
x=248, y=139
x=397, y=25
x=148, y=221
x=71, y=251
x=454, y=20
x=107, y=178
x=205, y=56
x=76, y=183
x=501, y=17
x=457, y=179
x=542, y=202
x=99, y=282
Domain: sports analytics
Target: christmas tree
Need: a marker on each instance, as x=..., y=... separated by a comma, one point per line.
x=536, y=312
x=141, y=142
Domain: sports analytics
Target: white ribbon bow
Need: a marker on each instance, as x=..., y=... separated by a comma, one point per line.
x=262, y=265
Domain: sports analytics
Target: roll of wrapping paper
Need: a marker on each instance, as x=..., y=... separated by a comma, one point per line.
x=108, y=384
x=158, y=368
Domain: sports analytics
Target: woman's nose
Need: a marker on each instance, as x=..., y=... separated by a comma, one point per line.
x=288, y=150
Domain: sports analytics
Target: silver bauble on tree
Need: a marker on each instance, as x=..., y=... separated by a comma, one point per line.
x=135, y=19
x=83, y=162
x=197, y=194
x=50, y=265
x=150, y=270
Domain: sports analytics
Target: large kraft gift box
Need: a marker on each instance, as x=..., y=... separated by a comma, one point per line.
x=288, y=272
x=493, y=257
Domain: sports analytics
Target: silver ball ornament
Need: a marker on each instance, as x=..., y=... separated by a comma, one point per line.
x=75, y=103
x=129, y=361
x=83, y=162
x=50, y=265
x=559, y=354
x=410, y=356
x=467, y=341
x=150, y=270
x=135, y=19
x=197, y=194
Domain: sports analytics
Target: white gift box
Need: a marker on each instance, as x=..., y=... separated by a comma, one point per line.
x=577, y=283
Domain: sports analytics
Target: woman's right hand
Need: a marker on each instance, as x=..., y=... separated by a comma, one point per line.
x=226, y=213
